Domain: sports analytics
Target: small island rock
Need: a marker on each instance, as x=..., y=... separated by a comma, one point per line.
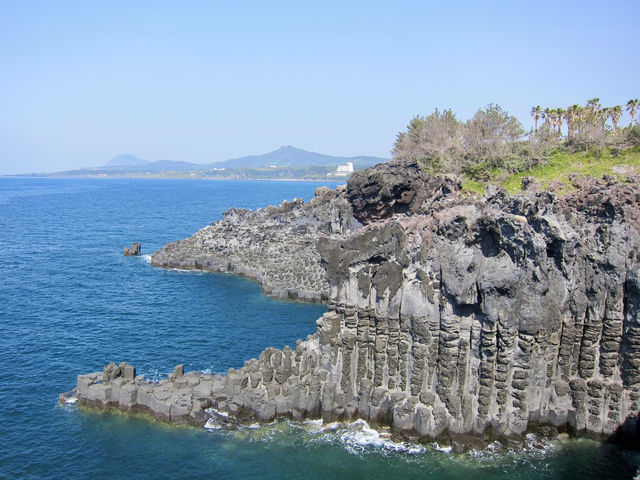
x=132, y=251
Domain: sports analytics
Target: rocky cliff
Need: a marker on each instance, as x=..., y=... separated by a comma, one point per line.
x=274, y=246
x=450, y=316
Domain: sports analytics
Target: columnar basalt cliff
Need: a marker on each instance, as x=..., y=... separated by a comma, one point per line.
x=449, y=315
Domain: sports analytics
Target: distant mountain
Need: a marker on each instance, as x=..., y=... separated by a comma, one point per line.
x=286, y=160
x=294, y=157
x=163, y=165
x=145, y=165
x=126, y=160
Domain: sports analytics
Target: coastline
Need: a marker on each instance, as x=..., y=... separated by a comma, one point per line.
x=155, y=177
x=432, y=327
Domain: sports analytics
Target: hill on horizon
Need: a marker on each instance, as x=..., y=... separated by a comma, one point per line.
x=283, y=157
x=126, y=160
x=294, y=160
x=288, y=156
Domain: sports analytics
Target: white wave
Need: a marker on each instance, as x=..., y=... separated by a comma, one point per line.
x=146, y=258
x=212, y=425
x=332, y=427
x=187, y=271
x=212, y=411
x=71, y=400
x=436, y=446
x=312, y=426
x=313, y=422
x=358, y=436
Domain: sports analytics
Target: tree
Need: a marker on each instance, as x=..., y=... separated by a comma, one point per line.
x=547, y=115
x=614, y=114
x=536, y=112
x=632, y=106
x=594, y=105
x=435, y=141
x=490, y=135
x=592, y=125
x=552, y=119
x=572, y=116
x=559, y=118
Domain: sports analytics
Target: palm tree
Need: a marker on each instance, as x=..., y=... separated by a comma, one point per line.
x=536, y=112
x=594, y=104
x=546, y=116
x=614, y=113
x=632, y=106
x=572, y=116
x=595, y=116
x=559, y=119
x=581, y=117
x=605, y=115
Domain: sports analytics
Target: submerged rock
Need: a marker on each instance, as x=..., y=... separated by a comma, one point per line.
x=450, y=317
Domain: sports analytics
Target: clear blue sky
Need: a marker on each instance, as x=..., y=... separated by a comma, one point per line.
x=81, y=82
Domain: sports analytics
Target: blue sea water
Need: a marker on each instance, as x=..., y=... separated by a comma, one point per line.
x=70, y=302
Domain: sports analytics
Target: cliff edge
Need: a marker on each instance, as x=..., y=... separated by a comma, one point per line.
x=450, y=316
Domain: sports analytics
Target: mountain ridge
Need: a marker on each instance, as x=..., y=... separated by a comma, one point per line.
x=289, y=156
x=287, y=162
x=285, y=156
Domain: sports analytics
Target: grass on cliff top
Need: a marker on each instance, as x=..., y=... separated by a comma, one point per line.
x=562, y=164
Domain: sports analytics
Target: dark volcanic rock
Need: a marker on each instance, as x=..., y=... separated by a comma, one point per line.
x=395, y=187
x=450, y=315
x=132, y=251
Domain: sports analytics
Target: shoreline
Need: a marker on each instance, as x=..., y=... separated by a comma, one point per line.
x=449, y=316
x=207, y=417
x=113, y=177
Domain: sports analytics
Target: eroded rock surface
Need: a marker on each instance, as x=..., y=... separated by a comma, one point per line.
x=449, y=315
x=132, y=251
x=273, y=245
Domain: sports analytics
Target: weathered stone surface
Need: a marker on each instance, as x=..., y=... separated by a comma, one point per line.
x=273, y=245
x=132, y=251
x=450, y=315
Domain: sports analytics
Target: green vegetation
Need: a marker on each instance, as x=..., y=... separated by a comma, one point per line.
x=442, y=144
x=562, y=165
x=491, y=147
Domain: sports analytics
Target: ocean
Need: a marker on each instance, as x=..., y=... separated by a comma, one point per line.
x=70, y=303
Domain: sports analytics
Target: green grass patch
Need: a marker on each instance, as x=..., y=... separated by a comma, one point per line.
x=563, y=164
x=594, y=165
x=473, y=186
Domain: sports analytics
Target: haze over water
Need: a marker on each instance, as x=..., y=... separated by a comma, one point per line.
x=71, y=303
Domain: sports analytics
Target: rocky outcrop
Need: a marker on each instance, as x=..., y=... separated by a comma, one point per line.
x=394, y=188
x=449, y=315
x=182, y=398
x=132, y=251
x=274, y=246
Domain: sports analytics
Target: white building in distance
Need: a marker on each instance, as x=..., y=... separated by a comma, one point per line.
x=344, y=170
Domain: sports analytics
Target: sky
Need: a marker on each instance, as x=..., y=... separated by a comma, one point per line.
x=82, y=82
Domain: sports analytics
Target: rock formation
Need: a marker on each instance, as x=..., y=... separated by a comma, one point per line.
x=132, y=251
x=274, y=246
x=450, y=316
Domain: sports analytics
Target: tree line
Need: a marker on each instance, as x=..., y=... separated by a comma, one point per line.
x=586, y=124
x=493, y=139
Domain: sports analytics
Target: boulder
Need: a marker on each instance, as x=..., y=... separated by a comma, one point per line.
x=132, y=251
